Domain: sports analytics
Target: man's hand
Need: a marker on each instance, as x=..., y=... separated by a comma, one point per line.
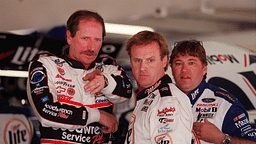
x=208, y=132
x=96, y=82
x=109, y=121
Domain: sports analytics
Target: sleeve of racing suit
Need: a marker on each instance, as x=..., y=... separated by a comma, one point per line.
x=48, y=110
x=237, y=124
x=172, y=121
x=119, y=88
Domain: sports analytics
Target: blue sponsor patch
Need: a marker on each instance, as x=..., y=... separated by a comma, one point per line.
x=37, y=77
x=38, y=85
x=123, y=83
x=208, y=100
x=44, y=99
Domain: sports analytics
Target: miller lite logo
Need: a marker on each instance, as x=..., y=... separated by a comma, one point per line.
x=16, y=131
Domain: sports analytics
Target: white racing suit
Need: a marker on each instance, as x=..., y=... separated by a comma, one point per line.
x=162, y=115
x=66, y=112
x=222, y=109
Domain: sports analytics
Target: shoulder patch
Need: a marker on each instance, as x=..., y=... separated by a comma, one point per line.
x=106, y=60
x=225, y=96
x=165, y=91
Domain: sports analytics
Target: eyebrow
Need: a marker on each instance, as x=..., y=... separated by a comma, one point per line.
x=192, y=60
x=151, y=57
x=182, y=60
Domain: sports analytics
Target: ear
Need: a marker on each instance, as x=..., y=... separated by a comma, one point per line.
x=204, y=69
x=69, y=37
x=165, y=61
x=131, y=62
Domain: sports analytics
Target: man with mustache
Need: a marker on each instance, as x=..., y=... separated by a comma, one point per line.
x=73, y=95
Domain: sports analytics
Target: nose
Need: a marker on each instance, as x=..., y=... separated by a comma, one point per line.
x=91, y=45
x=184, y=67
x=142, y=65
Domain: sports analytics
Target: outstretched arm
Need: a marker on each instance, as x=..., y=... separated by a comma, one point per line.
x=112, y=81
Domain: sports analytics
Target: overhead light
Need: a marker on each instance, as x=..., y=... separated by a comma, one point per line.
x=110, y=28
x=13, y=73
x=125, y=29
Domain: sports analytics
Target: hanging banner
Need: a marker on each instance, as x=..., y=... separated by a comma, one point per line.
x=17, y=50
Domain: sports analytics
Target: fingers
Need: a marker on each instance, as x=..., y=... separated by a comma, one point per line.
x=109, y=122
x=197, y=128
x=96, y=82
x=110, y=129
x=90, y=76
x=95, y=88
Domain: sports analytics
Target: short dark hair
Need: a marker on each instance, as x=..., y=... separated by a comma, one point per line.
x=190, y=47
x=146, y=37
x=76, y=17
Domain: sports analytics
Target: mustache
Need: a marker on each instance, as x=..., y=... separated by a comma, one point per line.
x=89, y=53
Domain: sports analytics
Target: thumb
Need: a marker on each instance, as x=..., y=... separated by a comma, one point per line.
x=206, y=121
x=88, y=77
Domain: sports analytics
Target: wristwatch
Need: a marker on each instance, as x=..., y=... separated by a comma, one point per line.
x=227, y=139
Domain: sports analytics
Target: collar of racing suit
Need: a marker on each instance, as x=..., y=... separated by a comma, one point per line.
x=196, y=93
x=160, y=83
x=75, y=63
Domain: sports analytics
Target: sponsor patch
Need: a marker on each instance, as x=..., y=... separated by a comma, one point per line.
x=152, y=88
x=59, y=76
x=164, y=89
x=165, y=129
x=165, y=120
x=239, y=117
x=194, y=94
x=165, y=111
x=152, y=96
x=64, y=98
x=58, y=62
x=145, y=109
x=206, y=109
x=37, y=77
x=148, y=102
x=64, y=84
x=71, y=91
x=60, y=89
x=208, y=105
x=101, y=100
x=61, y=71
x=44, y=99
x=240, y=123
x=208, y=100
x=84, y=115
x=57, y=109
x=225, y=95
x=123, y=83
x=39, y=90
x=164, y=139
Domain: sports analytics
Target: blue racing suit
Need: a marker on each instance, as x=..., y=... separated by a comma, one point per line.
x=222, y=109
